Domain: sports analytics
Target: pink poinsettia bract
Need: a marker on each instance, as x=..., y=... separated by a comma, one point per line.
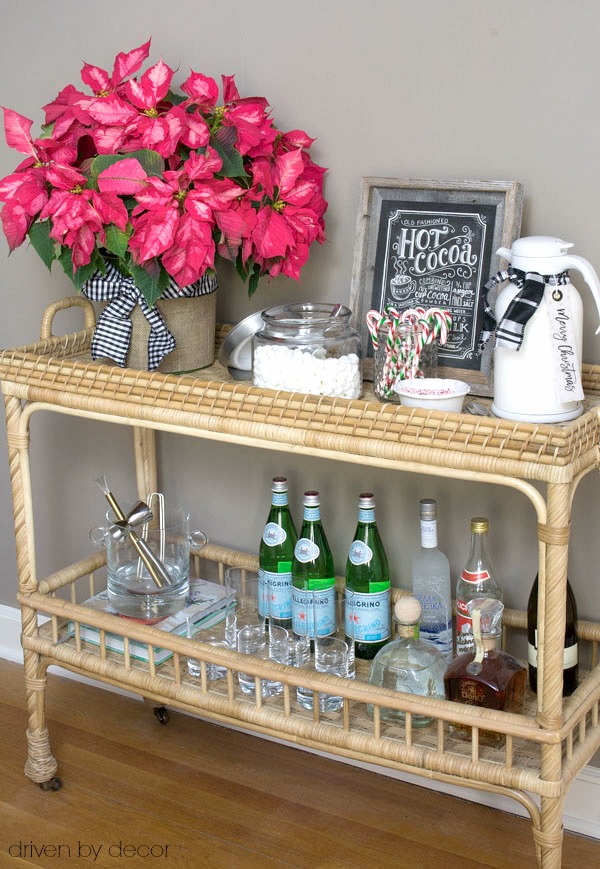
x=130, y=172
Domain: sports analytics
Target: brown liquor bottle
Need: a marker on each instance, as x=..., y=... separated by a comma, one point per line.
x=486, y=677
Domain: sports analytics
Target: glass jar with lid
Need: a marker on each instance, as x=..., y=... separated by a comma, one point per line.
x=308, y=347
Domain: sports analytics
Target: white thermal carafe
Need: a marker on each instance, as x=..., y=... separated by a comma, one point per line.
x=535, y=382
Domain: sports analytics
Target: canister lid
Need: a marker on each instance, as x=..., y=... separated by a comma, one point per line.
x=235, y=352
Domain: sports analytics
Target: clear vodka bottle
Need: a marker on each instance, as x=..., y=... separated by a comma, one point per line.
x=431, y=582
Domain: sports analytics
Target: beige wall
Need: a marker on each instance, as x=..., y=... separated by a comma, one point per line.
x=426, y=89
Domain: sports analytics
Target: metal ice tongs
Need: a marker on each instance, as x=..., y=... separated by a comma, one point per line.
x=161, y=527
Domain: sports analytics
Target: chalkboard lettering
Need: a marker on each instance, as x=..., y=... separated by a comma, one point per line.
x=434, y=255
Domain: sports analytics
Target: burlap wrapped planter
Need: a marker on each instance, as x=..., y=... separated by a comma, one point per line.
x=191, y=321
x=176, y=334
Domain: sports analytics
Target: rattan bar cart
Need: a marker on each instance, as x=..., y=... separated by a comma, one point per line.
x=543, y=749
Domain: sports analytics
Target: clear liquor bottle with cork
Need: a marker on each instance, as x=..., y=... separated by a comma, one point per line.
x=275, y=556
x=408, y=663
x=476, y=580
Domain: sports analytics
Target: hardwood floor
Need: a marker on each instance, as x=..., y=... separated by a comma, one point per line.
x=193, y=794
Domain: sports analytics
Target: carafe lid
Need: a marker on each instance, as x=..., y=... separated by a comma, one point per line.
x=540, y=246
x=537, y=253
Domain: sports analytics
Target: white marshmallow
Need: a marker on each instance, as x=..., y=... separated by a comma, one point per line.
x=276, y=367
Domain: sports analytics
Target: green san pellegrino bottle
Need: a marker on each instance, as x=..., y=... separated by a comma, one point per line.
x=313, y=575
x=275, y=557
x=368, y=620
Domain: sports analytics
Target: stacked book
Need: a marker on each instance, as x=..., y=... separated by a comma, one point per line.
x=206, y=608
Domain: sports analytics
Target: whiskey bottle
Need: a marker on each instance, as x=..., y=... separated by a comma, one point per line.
x=486, y=676
x=570, y=653
x=275, y=556
x=476, y=580
x=367, y=585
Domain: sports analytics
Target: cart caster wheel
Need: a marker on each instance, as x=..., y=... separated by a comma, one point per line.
x=162, y=714
x=53, y=784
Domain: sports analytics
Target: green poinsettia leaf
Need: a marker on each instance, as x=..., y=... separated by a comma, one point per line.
x=253, y=281
x=249, y=272
x=151, y=162
x=233, y=165
x=175, y=99
x=80, y=275
x=241, y=268
x=151, y=284
x=44, y=246
x=84, y=274
x=117, y=240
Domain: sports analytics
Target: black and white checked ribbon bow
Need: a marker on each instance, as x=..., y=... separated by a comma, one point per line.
x=510, y=329
x=112, y=334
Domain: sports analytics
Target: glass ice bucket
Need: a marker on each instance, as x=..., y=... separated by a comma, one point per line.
x=132, y=589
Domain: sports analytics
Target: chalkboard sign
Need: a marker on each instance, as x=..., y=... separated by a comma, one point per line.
x=432, y=244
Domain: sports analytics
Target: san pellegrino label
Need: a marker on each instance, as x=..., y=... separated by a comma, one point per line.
x=277, y=594
x=306, y=550
x=360, y=552
x=368, y=616
x=313, y=605
x=274, y=534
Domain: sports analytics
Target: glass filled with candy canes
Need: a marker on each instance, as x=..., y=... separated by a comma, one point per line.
x=405, y=346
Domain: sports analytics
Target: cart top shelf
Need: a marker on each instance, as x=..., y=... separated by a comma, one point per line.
x=59, y=372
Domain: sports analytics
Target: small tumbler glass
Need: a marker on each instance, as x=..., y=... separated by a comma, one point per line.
x=269, y=642
x=244, y=592
x=331, y=656
x=214, y=636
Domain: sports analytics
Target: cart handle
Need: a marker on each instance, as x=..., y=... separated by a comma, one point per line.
x=61, y=305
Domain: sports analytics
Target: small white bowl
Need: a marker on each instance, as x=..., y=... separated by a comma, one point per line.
x=433, y=393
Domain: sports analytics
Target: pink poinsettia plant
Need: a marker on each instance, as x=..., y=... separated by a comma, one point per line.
x=162, y=184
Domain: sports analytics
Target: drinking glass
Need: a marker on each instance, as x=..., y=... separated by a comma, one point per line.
x=401, y=355
x=344, y=604
x=245, y=602
x=331, y=656
x=214, y=636
x=269, y=642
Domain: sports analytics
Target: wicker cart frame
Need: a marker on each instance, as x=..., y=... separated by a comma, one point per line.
x=543, y=750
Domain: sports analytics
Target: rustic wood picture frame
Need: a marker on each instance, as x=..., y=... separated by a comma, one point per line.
x=429, y=243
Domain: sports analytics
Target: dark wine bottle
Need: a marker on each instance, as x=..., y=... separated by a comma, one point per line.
x=570, y=655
